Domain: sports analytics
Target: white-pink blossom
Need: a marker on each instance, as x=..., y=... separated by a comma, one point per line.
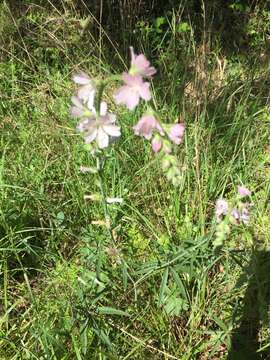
x=156, y=144
x=176, y=133
x=241, y=215
x=222, y=208
x=81, y=110
x=99, y=127
x=243, y=191
x=87, y=87
x=146, y=125
x=140, y=65
x=133, y=89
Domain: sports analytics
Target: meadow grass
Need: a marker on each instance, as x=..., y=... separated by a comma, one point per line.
x=65, y=294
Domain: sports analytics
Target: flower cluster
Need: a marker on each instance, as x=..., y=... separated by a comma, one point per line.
x=97, y=124
x=94, y=125
x=229, y=213
x=239, y=213
x=134, y=86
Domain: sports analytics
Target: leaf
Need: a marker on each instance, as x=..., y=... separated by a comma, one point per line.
x=163, y=286
x=85, y=22
x=158, y=23
x=103, y=337
x=76, y=347
x=175, y=305
x=106, y=310
x=179, y=283
x=183, y=27
x=125, y=275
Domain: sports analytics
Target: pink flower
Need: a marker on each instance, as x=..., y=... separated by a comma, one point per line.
x=140, y=65
x=87, y=89
x=176, y=133
x=156, y=144
x=245, y=215
x=243, y=191
x=222, y=208
x=146, y=125
x=241, y=215
x=100, y=127
x=132, y=91
x=79, y=110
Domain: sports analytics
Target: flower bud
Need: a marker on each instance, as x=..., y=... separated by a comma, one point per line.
x=92, y=197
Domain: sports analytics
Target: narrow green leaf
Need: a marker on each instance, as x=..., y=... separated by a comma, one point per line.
x=106, y=310
x=103, y=337
x=125, y=276
x=163, y=285
x=179, y=283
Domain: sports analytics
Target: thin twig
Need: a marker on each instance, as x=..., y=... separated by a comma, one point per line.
x=144, y=343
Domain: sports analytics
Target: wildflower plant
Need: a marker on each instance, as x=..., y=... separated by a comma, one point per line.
x=100, y=128
x=231, y=213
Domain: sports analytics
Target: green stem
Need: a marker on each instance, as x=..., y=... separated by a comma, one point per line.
x=100, y=166
x=102, y=85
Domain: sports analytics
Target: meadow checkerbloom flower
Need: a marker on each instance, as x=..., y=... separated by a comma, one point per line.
x=156, y=144
x=99, y=127
x=134, y=89
x=140, y=65
x=222, y=208
x=176, y=133
x=87, y=87
x=146, y=125
x=243, y=191
x=80, y=110
x=241, y=215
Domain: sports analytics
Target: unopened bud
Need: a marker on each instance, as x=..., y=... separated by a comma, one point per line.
x=92, y=197
x=114, y=200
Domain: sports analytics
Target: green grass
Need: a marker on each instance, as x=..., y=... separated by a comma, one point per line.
x=64, y=293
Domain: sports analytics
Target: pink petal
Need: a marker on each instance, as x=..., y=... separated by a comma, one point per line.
x=176, y=133
x=85, y=93
x=111, y=118
x=144, y=91
x=145, y=126
x=235, y=213
x=243, y=191
x=130, y=80
x=132, y=100
x=90, y=136
x=156, y=145
x=81, y=78
x=126, y=95
x=112, y=130
x=245, y=215
x=76, y=112
x=120, y=95
x=102, y=139
x=222, y=208
x=103, y=108
x=77, y=102
x=86, y=125
x=141, y=65
x=144, y=66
